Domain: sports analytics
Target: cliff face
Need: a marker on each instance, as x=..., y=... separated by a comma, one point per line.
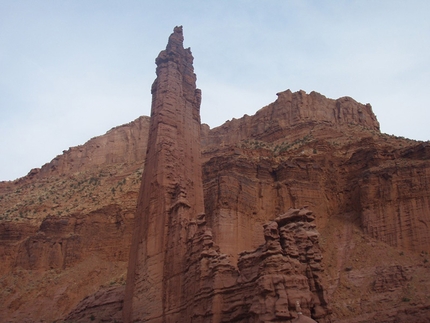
x=362, y=253
x=266, y=283
x=62, y=262
x=334, y=162
x=176, y=273
x=395, y=199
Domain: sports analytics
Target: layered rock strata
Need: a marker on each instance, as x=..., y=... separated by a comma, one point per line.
x=266, y=283
x=60, y=263
x=62, y=242
x=395, y=199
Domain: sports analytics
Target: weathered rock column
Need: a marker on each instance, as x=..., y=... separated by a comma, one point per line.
x=171, y=192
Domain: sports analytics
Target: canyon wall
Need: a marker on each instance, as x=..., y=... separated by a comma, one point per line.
x=60, y=263
x=395, y=199
x=248, y=248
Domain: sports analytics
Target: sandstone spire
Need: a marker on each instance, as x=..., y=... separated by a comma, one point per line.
x=171, y=192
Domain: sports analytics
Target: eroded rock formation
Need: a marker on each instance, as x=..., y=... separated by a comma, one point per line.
x=171, y=193
x=176, y=273
x=62, y=242
x=62, y=262
x=266, y=283
x=65, y=229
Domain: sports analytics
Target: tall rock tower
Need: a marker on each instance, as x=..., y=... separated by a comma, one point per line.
x=171, y=193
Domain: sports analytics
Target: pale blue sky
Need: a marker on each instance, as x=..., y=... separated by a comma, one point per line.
x=72, y=69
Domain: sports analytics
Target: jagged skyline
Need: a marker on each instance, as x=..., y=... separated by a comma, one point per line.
x=73, y=70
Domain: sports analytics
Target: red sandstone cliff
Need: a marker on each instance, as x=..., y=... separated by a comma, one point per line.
x=64, y=228
x=171, y=193
x=176, y=272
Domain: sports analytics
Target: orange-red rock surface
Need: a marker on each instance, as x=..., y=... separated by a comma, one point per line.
x=65, y=230
x=171, y=194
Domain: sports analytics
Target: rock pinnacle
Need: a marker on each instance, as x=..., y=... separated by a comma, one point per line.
x=171, y=192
